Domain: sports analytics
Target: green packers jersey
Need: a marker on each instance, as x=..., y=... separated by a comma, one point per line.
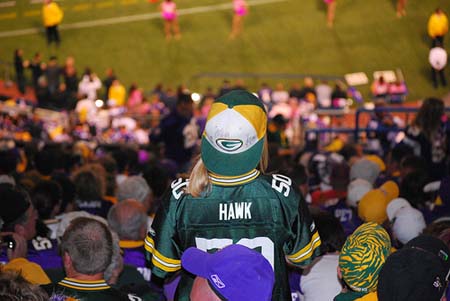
x=261, y=212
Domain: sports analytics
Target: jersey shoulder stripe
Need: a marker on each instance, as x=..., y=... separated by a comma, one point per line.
x=307, y=251
x=164, y=263
x=84, y=285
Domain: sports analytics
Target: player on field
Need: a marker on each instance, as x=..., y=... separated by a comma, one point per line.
x=228, y=200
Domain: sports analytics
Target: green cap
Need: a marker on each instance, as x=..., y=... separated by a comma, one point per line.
x=233, y=140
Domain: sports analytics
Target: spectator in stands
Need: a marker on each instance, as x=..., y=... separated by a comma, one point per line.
x=397, y=91
x=360, y=261
x=90, y=189
x=276, y=134
x=279, y=94
x=380, y=87
x=382, y=130
x=308, y=92
x=211, y=185
x=372, y=206
x=135, y=97
x=107, y=81
x=295, y=91
x=89, y=85
x=19, y=66
x=419, y=271
x=116, y=95
x=52, y=16
x=234, y=273
x=16, y=250
x=158, y=177
x=46, y=198
x=411, y=187
x=87, y=248
x=265, y=94
x=179, y=133
x=320, y=281
x=135, y=187
x=299, y=175
x=60, y=99
x=411, y=163
x=405, y=221
x=323, y=92
x=437, y=27
x=14, y=286
x=129, y=220
x=429, y=136
x=438, y=60
x=169, y=14
x=53, y=73
x=37, y=68
x=154, y=105
x=42, y=93
x=240, y=10
x=19, y=217
x=44, y=162
x=339, y=91
x=110, y=166
x=8, y=162
x=393, y=160
x=86, y=110
x=69, y=73
x=225, y=88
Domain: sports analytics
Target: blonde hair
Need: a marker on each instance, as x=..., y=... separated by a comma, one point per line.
x=199, y=182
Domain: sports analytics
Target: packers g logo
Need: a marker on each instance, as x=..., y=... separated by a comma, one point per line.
x=229, y=145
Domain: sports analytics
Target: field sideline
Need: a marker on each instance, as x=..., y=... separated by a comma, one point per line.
x=280, y=36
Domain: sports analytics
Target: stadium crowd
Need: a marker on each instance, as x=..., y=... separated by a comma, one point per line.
x=151, y=196
x=87, y=221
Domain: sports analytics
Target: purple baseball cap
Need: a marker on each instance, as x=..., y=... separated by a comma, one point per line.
x=235, y=272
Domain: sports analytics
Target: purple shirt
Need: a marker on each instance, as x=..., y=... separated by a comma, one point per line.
x=43, y=251
x=133, y=254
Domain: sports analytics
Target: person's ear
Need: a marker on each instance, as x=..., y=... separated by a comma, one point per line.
x=67, y=261
x=339, y=272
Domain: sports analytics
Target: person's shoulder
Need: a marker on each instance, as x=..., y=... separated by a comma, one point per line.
x=281, y=185
x=40, y=244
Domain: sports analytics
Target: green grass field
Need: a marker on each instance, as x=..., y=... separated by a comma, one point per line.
x=284, y=37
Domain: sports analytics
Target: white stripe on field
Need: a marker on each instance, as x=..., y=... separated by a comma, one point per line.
x=8, y=4
x=132, y=18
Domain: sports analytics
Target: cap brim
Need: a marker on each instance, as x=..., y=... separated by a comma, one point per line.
x=394, y=206
x=230, y=164
x=195, y=261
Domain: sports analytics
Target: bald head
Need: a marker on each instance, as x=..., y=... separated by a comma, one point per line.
x=128, y=219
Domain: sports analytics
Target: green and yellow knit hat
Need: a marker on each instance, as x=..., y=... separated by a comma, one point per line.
x=363, y=255
x=233, y=140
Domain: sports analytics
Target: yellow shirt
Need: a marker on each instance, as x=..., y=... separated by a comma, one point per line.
x=437, y=25
x=369, y=297
x=51, y=14
x=117, y=92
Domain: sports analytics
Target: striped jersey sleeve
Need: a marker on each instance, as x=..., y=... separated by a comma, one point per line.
x=305, y=243
x=162, y=253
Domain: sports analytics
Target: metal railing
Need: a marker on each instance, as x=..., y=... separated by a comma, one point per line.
x=359, y=128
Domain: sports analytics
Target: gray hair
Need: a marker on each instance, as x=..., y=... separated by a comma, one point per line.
x=127, y=218
x=134, y=187
x=13, y=286
x=116, y=260
x=88, y=242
